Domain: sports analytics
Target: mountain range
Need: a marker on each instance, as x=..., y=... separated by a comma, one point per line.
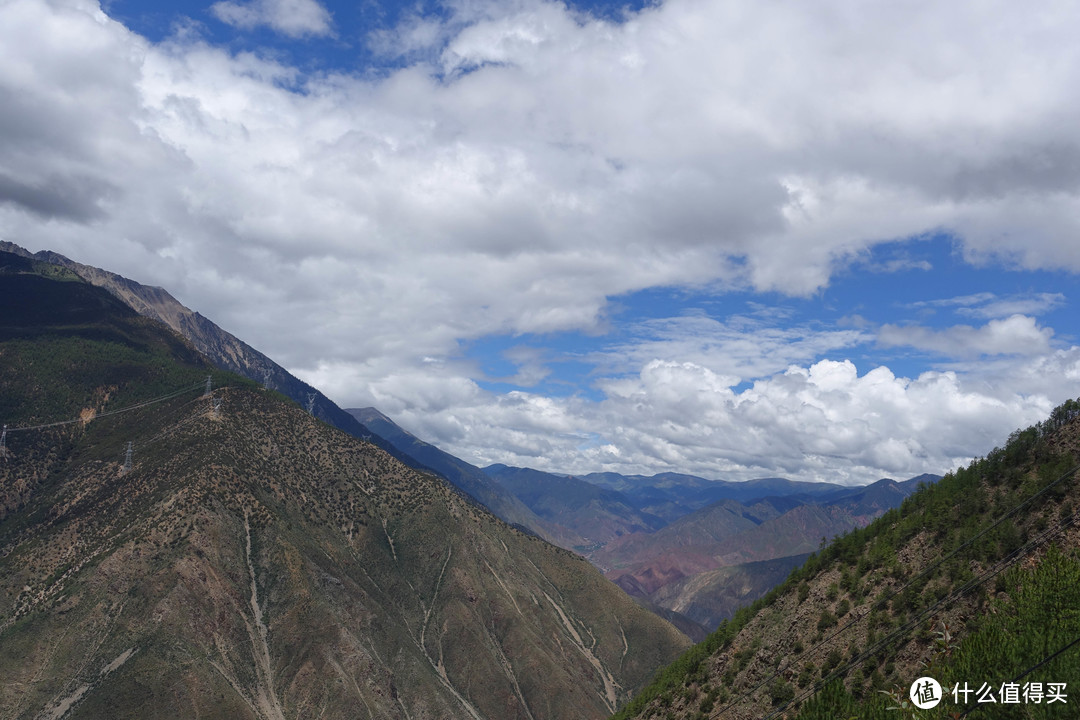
x=242, y=558
x=654, y=536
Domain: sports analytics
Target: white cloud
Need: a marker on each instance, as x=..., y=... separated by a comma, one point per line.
x=1033, y=304
x=824, y=421
x=740, y=348
x=529, y=163
x=586, y=162
x=531, y=365
x=295, y=18
x=1015, y=335
x=991, y=305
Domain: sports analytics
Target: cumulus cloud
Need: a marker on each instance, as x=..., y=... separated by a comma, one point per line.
x=825, y=421
x=577, y=157
x=295, y=18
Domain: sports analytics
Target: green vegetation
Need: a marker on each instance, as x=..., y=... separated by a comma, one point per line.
x=1040, y=615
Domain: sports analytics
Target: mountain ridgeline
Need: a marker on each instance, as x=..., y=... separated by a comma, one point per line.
x=228, y=352
x=167, y=553
x=973, y=580
x=220, y=347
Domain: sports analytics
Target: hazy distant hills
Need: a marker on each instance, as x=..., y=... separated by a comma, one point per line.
x=693, y=538
x=649, y=533
x=467, y=477
x=595, y=513
x=253, y=562
x=672, y=495
x=753, y=541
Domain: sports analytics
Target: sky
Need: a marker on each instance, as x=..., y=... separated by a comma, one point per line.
x=733, y=238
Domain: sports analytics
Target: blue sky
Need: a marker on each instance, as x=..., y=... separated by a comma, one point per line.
x=935, y=289
x=722, y=237
x=348, y=44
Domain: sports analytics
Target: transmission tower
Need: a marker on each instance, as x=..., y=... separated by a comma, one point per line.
x=206, y=393
x=311, y=403
x=217, y=405
x=127, y=460
x=3, y=443
x=266, y=378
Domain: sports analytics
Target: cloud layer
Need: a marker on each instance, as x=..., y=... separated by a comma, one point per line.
x=526, y=163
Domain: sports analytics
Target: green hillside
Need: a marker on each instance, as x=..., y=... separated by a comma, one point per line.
x=973, y=579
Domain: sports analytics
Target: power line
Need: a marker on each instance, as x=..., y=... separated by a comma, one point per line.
x=904, y=629
x=127, y=460
x=926, y=571
x=161, y=398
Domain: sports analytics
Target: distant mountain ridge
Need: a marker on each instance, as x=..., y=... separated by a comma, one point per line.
x=597, y=514
x=648, y=533
x=760, y=536
x=465, y=476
